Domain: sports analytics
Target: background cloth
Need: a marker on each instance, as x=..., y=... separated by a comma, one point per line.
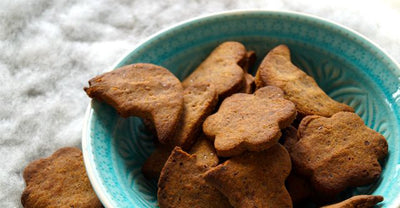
x=51, y=48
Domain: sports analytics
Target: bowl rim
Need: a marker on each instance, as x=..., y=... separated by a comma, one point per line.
x=87, y=157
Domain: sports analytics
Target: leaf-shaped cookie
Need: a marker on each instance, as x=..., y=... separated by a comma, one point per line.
x=222, y=69
x=249, y=121
x=143, y=90
x=277, y=70
x=198, y=102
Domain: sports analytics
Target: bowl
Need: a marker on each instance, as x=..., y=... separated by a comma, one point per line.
x=346, y=65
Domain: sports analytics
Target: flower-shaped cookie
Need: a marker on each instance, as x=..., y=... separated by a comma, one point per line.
x=59, y=181
x=249, y=121
x=338, y=152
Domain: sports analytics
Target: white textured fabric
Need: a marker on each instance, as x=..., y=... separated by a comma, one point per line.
x=49, y=49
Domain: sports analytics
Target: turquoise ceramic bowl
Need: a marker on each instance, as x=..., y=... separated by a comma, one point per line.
x=350, y=68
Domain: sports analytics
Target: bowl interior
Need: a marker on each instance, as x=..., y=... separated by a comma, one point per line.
x=349, y=68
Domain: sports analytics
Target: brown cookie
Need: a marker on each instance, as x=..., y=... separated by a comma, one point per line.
x=254, y=179
x=249, y=122
x=144, y=90
x=59, y=181
x=199, y=102
x=277, y=70
x=289, y=137
x=360, y=201
x=182, y=183
x=221, y=69
x=298, y=187
x=249, y=85
x=249, y=60
x=204, y=150
x=153, y=165
x=338, y=152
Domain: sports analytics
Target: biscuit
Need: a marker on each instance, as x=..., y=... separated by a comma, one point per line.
x=277, y=70
x=267, y=112
x=338, y=152
x=204, y=150
x=182, y=183
x=221, y=69
x=198, y=102
x=360, y=201
x=254, y=179
x=248, y=61
x=59, y=181
x=144, y=90
x=249, y=85
x=153, y=165
x=289, y=137
x=298, y=187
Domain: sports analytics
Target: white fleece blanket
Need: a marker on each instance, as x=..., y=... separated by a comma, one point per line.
x=49, y=49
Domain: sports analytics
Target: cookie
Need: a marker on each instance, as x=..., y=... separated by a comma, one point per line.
x=198, y=102
x=249, y=85
x=153, y=165
x=289, y=137
x=59, y=181
x=298, y=187
x=338, y=152
x=249, y=121
x=248, y=61
x=254, y=179
x=144, y=90
x=182, y=183
x=205, y=152
x=360, y=201
x=277, y=70
x=221, y=69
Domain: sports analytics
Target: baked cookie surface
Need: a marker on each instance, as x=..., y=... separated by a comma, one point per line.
x=199, y=102
x=254, y=179
x=182, y=183
x=277, y=70
x=249, y=121
x=59, y=181
x=338, y=152
x=360, y=201
x=144, y=90
x=222, y=69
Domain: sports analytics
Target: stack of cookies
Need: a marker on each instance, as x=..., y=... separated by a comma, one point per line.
x=228, y=139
